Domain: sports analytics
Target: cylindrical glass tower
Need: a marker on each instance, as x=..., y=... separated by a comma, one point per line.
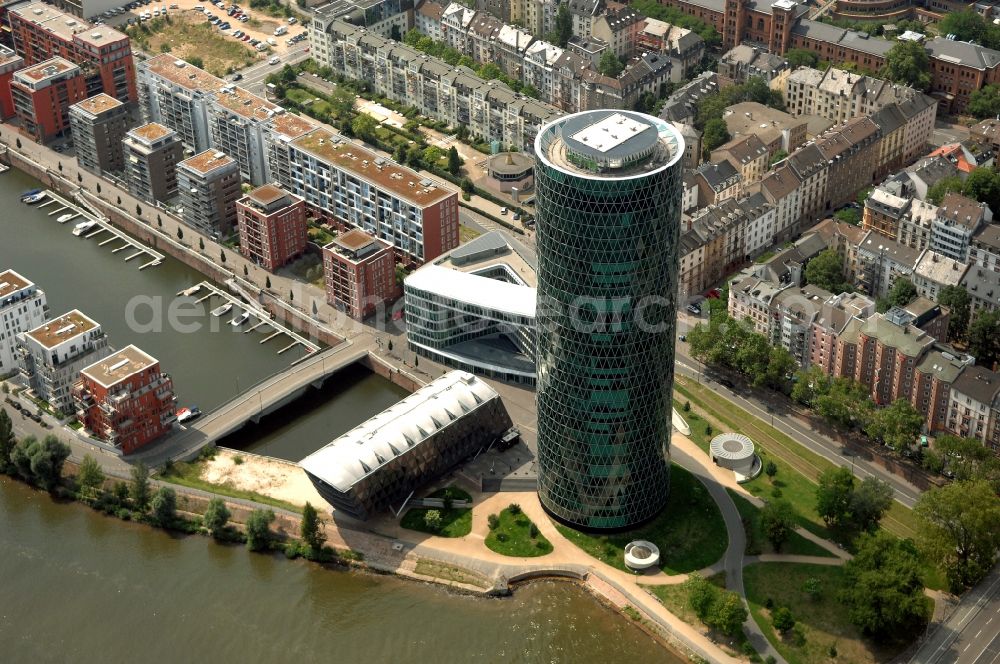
x=608, y=201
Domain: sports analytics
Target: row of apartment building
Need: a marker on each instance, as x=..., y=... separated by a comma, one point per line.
x=957, y=68
x=900, y=354
x=234, y=136
x=121, y=397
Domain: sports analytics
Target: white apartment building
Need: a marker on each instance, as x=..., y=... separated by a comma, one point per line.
x=22, y=307
x=53, y=354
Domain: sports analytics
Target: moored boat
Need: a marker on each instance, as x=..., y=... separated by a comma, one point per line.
x=223, y=310
x=239, y=320
x=31, y=199
x=188, y=414
x=83, y=227
x=63, y=218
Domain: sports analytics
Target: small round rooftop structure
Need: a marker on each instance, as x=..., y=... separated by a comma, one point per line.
x=736, y=452
x=609, y=144
x=641, y=554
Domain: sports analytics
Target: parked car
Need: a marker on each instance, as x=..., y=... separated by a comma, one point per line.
x=694, y=309
x=238, y=77
x=273, y=60
x=244, y=18
x=503, y=210
x=254, y=42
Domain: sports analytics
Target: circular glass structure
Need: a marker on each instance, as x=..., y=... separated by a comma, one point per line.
x=608, y=213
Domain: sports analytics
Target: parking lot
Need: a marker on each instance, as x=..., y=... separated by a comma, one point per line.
x=238, y=24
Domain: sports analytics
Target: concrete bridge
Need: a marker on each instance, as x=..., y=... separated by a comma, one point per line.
x=254, y=403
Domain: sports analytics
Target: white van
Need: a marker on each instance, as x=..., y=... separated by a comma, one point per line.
x=199, y=8
x=280, y=30
x=272, y=41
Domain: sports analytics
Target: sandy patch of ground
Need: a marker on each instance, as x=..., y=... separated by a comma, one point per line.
x=283, y=480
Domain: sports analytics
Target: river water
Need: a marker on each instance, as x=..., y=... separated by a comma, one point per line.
x=78, y=587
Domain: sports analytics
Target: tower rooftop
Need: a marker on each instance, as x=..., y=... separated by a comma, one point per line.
x=609, y=144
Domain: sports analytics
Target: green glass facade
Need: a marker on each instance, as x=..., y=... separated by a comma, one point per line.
x=608, y=233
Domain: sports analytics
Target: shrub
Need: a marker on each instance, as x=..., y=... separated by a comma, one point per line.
x=514, y=509
x=770, y=660
x=533, y=531
x=493, y=521
x=813, y=588
x=432, y=519
x=782, y=620
x=238, y=460
x=832, y=652
x=776, y=492
x=502, y=537
x=687, y=406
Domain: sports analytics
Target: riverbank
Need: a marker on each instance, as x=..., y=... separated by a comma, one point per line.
x=191, y=505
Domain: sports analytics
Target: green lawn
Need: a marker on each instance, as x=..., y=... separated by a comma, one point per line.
x=307, y=99
x=798, y=467
x=757, y=542
x=512, y=537
x=690, y=533
x=189, y=475
x=454, y=522
x=697, y=425
x=824, y=621
x=675, y=598
x=466, y=233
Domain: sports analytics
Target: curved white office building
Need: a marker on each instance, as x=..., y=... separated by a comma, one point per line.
x=474, y=309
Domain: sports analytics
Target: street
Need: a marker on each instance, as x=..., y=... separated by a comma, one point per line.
x=972, y=634
x=831, y=450
x=946, y=133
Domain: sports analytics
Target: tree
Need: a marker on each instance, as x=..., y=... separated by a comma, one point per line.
x=869, y=503
x=201, y=243
x=609, y=64
x=936, y=193
x=222, y=256
x=907, y=63
x=771, y=469
x=777, y=156
x=79, y=177
x=180, y=233
x=728, y=614
x=969, y=459
x=883, y=591
x=960, y=529
x=432, y=519
x=17, y=142
x=310, y=528
x=159, y=221
x=984, y=102
x=90, y=477
x=490, y=71
x=701, y=595
x=454, y=161
x=983, y=185
x=716, y=133
x=258, y=528
x=246, y=270
x=6, y=441
x=138, y=210
x=966, y=25
x=896, y=425
x=845, y=404
x=778, y=521
x=833, y=496
x=138, y=489
x=563, y=27
x=782, y=619
x=164, y=506
x=98, y=184
x=60, y=166
x=826, y=270
x=267, y=282
x=195, y=61
x=801, y=57
x=40, y=462
x=364, y=126
x=956, y=299
x=216, y=516
x=341, y=102
x=984, y=338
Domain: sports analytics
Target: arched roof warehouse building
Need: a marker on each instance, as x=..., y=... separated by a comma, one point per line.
x=381, y=461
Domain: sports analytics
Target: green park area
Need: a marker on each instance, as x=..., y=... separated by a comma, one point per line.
x=512, y=533
x=446, y=521
x=690, y=532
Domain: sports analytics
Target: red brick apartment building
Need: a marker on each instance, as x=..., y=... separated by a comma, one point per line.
x=39, y=32
x=126, y=400
x=9, y=63
x=360, y=273
x=958, y=68
x=272, y=226
x=42, y=95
